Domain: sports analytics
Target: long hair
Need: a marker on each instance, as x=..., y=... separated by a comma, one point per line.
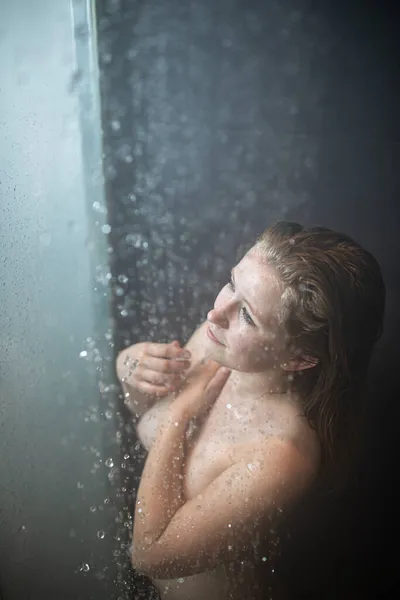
x=333, y=306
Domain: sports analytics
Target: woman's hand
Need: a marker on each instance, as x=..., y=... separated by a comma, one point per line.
x=154, y=369
x=201, y=391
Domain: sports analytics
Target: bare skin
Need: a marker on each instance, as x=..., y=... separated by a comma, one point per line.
x=255, y=420
x=228, y=433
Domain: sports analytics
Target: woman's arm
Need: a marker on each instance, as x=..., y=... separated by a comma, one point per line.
x=137, y=401
x=174, y=538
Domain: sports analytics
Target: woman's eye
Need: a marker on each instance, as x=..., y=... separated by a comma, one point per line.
x=246, y=316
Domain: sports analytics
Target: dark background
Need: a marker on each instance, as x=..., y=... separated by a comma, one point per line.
x=219, y=118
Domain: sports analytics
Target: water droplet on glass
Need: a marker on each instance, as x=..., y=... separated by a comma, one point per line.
x=83, y=354
x=85, y=567
x=109, y=462
x=101, y=535
x=79, y=485
x=106, y=228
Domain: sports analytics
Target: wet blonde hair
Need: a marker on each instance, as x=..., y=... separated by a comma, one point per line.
x=332, y=310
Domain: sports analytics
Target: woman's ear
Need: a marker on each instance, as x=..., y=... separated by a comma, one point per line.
x=300, y=364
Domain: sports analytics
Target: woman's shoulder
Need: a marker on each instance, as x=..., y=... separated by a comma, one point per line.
x=305, y=439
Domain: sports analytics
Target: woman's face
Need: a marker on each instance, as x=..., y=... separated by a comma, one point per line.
x=243, y=330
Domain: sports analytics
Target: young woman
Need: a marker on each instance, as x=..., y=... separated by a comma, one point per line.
x=263, y=401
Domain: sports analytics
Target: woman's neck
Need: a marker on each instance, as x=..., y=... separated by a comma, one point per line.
x=270, y=382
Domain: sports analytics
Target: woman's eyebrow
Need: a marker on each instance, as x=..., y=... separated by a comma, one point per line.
x=245, y=299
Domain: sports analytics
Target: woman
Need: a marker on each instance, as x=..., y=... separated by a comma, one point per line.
x=263, y=401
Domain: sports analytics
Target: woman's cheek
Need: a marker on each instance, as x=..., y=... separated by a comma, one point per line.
x=243, y=344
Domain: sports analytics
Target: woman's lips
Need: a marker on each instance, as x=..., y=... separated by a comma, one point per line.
x=212, y=337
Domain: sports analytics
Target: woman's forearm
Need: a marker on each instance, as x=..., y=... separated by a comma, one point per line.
x=161, y=491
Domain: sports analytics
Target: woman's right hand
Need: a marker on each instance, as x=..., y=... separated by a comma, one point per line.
x=154, y=369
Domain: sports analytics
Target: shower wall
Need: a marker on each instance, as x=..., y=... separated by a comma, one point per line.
x=57, y=509
x=219, y=118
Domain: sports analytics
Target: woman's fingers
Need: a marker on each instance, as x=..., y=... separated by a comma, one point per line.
x=165, y=358
x=172, y=350
x=153, y=390
x=164, y=365
x=210, y=376
x=216, y=383
x=158, y=378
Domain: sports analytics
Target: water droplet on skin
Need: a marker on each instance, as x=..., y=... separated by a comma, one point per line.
x=229, y=406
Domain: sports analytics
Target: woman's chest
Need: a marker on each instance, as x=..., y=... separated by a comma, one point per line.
x=232, y=428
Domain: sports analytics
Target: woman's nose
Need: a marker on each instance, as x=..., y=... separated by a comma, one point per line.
x=218, y=317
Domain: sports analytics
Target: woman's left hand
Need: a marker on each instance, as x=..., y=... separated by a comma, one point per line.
x=201, y=391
